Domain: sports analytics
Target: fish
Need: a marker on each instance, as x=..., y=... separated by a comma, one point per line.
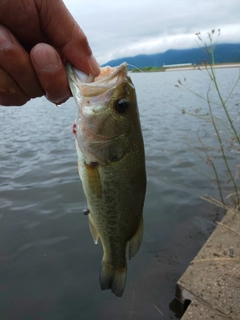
x=111, y=165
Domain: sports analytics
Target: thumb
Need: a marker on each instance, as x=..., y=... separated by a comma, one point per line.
x=65, y=34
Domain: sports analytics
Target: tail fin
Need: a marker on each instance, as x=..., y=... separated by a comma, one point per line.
x=113, y=278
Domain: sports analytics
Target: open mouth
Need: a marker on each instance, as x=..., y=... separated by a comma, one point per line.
x=107, y=77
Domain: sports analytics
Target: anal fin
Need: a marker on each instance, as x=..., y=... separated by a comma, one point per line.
x=94, y=232
x=136, y=240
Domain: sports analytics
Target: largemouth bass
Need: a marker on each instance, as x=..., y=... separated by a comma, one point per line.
x=111, y=165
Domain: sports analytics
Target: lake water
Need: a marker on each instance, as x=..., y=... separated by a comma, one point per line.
x=49, y=265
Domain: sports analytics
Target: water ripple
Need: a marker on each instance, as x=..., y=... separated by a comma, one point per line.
x=21, y=249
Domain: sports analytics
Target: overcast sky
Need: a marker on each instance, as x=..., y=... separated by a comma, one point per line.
x=122, y=28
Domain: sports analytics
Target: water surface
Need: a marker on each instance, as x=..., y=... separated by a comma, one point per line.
x=49, y=264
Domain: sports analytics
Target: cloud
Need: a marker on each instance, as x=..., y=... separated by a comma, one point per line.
x=127, y=28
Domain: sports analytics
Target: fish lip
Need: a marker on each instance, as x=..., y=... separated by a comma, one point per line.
x=102, y=85
x=122, y=68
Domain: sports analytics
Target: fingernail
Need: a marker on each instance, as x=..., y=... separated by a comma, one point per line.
x=6, y=39
x=58, y=102
x=94, y=65
x=45, y=57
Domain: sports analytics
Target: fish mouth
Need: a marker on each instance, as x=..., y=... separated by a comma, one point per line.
x=92, y=94
x=88, y=86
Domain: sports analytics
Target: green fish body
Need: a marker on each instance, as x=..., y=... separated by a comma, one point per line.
x=111, y=165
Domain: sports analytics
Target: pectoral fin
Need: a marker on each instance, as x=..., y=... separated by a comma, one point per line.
x=94, y=232
x=94, y=182
x=136, y=240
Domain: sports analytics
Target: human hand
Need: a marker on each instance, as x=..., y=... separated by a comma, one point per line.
x=36, y=38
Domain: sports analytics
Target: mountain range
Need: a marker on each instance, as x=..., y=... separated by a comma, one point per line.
x=223, y=53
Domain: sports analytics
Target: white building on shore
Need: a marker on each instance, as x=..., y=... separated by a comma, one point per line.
x=177, y=65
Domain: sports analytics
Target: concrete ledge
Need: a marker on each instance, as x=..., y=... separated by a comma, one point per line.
x=212, y=281
x=199, y=311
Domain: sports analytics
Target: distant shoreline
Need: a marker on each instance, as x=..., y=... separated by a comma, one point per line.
x=222, y=65
x=181, y=68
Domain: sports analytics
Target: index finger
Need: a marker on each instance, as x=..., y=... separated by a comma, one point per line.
x=15, y=61
x=66, y=35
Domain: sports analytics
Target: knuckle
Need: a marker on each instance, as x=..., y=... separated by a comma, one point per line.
x=84, y=42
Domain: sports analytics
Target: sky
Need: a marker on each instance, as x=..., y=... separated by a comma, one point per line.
x=123, y=28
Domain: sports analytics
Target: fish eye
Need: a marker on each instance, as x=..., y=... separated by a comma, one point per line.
x=122, y=105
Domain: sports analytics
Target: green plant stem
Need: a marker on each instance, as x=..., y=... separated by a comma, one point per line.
x=223, y=152
x=233, y=88
x=214, y=169
x=221, y=99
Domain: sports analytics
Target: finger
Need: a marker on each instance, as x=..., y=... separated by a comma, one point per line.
x=51, y=72
x=16, y=62
x=65, y=34
x=10, y=93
